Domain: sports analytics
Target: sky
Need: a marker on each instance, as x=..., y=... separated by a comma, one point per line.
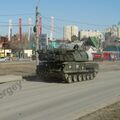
x=86, y=14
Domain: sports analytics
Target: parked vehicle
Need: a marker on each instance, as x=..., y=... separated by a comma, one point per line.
x=4, y=59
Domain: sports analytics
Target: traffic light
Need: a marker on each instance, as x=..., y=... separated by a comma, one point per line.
x=34, y=29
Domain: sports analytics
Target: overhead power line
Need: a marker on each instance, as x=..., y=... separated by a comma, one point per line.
x=17, y=14
x=73, y=21
x=15, y=25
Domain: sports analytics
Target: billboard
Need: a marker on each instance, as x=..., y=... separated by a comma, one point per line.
x=43, y=41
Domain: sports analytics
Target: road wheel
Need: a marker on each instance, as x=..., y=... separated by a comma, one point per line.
x=91, y=76
x=75, y=78
x=83, y=77
x=66, y=76
x=94, y=74
x=87, y=76
x=79, y=78
x=69, y=79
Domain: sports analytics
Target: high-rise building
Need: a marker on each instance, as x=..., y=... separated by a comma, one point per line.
x=89, y=33
x=118, y=32
x=114, y=30
x=69, y=31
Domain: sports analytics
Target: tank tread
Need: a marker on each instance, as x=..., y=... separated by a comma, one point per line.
x=72, y=78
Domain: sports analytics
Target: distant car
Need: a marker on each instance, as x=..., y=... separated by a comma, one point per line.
x=4, y=59
x=97, y=56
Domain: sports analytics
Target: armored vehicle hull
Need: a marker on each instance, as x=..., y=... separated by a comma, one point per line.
x=68, y=71
x=70, y=65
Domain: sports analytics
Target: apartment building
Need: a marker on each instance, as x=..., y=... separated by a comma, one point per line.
x=114, y=30
x=89, y=33
x=69, y=31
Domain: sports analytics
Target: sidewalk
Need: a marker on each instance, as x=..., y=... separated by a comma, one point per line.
x=10, y=78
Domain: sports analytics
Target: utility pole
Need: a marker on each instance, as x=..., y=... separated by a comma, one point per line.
x=37, y=36
x=20, y=37
x=4, y=47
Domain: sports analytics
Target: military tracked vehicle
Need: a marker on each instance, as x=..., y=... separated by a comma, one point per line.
x=69, y=63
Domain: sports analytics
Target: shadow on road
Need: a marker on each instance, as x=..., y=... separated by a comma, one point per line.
x=35, y=78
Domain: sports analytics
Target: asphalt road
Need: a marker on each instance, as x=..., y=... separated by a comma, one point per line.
x=37, y=100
